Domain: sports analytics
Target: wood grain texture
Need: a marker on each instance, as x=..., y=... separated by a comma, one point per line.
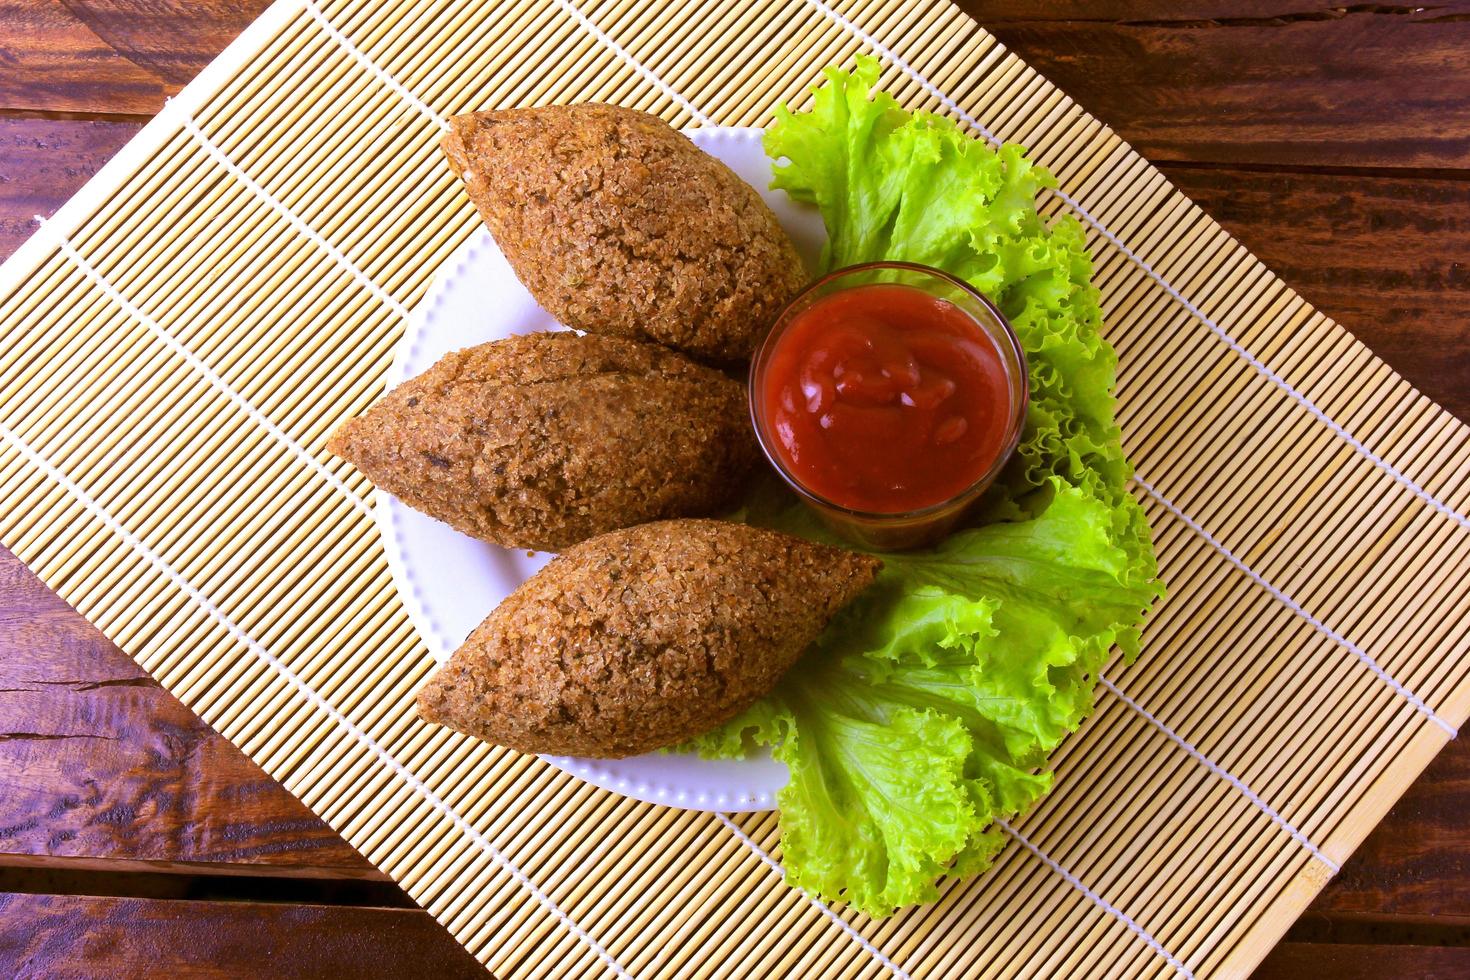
x=1417, y=862
x=97, y=760
x=1303, y=84
x=1204, y=13
x=1388, y=257
x=1352, y=961
x=46, y=936
x=109, y=56
x=1265, y=81
x=45, y=161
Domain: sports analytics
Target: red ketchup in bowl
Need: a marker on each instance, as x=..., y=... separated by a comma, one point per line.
x=886, y=399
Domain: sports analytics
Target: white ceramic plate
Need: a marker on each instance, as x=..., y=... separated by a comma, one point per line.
x=450, y=582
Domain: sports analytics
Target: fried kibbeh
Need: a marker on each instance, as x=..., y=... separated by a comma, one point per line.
x=619, y=225
x=641, y=638
x=544, y=440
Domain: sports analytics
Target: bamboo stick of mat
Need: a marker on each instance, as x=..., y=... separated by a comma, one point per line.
x=183, y=334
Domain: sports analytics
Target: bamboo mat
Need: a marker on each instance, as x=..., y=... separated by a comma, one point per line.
x=182, y=335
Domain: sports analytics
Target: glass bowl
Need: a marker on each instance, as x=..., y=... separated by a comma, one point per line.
x=882, y=531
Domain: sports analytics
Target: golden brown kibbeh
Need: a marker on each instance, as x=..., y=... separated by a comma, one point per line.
x=619, y=225
x=544, y=440
x=642, y=638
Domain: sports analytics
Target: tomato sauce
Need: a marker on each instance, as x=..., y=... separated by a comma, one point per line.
x=885, y=399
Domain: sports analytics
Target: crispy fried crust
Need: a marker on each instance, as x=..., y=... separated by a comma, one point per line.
x=642, y=638
x=619, y=225
x=545, y=440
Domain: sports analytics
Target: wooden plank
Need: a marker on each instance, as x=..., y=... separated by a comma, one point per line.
x=109, y=56
x=72, y=936
x=205, y=881
x=1306, y=84
x=1417, y=862
x=99, y=761
x=1198, y=11
x=1350, y=961
x=1387, y=257
x=13, y=864
x=45, y=161
x=1262, y=81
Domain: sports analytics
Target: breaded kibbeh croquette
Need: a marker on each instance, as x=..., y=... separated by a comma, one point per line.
x=642, y=638
x=544, y=440
x=619, y=225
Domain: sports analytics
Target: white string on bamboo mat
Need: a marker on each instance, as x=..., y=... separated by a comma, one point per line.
x=297, y=223
x=301, y=225
x=207, y=373
x=648, y=75
x=1099, y=901
x=817, y=903
x=305, y=690
x=1382, y=464
x=1220, y=771
x=1296, y=607
x=290, y=217
x=368, y=65
x=954, y=107
x=341, y=260
x=570, y=9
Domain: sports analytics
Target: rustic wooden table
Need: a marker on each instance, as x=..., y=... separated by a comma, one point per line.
x=1333, y=141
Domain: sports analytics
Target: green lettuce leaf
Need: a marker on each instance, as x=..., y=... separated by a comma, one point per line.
x=928, y=708
x=915, y=187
